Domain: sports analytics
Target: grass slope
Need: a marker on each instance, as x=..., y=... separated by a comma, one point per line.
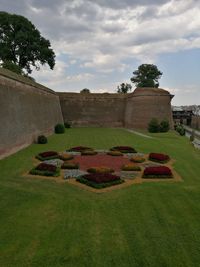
x=44, y=223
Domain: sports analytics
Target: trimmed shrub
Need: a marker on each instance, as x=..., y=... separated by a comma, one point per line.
x=67, y=125
x=45, y=170
x=115, y=153
x=100, y=180
x=131, y=167
x=180, y=130
x=65, y=156
x=80, y=148
x=70, y=165
x=164, y=126
x=153, y=126
x=42, y=139
x=59, y=128
x=157, y=172
x=47, y=155
x=124, y=149
x=137, y=159
x=88, y=153
x=158, y=157
x=100, y=170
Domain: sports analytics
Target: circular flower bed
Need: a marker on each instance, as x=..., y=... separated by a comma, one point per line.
x=157, y=172
x=158, y=157
x=124, y=149
x=100, y=180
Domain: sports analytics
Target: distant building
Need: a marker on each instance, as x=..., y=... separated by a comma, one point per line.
x=181, y=115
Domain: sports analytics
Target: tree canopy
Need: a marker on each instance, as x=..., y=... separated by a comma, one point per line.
x=21, y=44
x=147, y=75
x=124, y=88
x=85, y=91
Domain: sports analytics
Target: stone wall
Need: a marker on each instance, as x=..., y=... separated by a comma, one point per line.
x=27, y=110
x=93, y=109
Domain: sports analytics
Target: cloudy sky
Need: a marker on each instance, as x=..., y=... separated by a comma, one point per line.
x=99, y=43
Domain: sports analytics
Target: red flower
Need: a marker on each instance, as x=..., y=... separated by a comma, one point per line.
x=158, y=157
x=157, y=171
x=46, y=167
x=100, y=178
x=48, y=154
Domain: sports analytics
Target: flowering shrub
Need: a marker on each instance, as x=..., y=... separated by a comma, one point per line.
x=157, y=172
x=65, y=156
x=45, y=170
x=162, y=158
x=137, y=159
x=79, y=148
x=47, y=155
x=131, y=167
x=70, y=165
x=124, y=149
x=88, y=152
x=100, y=170
x=100, y=180
x=114, y=153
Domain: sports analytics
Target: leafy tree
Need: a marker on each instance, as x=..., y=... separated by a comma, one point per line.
x=85, y=91
x=9, y=65
x=22, y=44
x=147, y=75
x=124, y=88
x=164, y=126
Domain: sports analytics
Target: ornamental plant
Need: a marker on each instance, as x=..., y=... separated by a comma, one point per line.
x=158, y=157
x=59, y=128
x=42, y=139
x=157, y=172
x=137, y=159
x=70, y=165
x=100, y=180
x=130, y=167
x=115, y=153
x=124, y=149
x=80, y=148
x=47, y=155
x=65, y=156
x=45, y=169
x=100, y=170
x=88, y=153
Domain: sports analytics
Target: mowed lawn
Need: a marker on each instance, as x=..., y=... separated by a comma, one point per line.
x=44, y=223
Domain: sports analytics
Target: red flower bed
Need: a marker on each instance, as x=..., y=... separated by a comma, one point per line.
x=99, y=160
x=46, y=167
x=159, y=171
x=100, y=178
x=159, y=157
x=79, y=148
x=48, y=154
x=124, y=149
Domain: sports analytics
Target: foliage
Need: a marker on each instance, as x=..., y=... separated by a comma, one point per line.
x=42, y=139
x=98, y=185
x=164, y=126
x=88, y=153
x=85, y=91
x=147, y=75
x=59, y=128
x=67, y=125
x=65, y=156
x=80, y=148
x=157, y=172
x=46, y=170
x=131, y=167
x=137, y=159
x=100, y=170
x=22, y=44
x=158, y=157
x=153, y=126
x=124, y=149
x=9, y=65
x=114, y=153
x=47, y=155
x=70, y=165
x=180, y=129
x=124, y=88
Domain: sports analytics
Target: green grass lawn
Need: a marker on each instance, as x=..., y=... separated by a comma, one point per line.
x=44, y=223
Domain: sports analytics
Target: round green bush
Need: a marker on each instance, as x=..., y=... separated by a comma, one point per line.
x=59, y=128
x=42, y=139
x=153, y=126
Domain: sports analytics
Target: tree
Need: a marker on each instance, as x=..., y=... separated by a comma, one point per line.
x=124, y=88
x=85, y=91
x=21, y=44
x=147, y=75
